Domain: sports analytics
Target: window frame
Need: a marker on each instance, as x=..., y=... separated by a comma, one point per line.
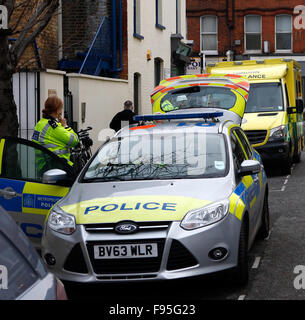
x=208, y=52
x=236, y=165
x=158, y=63
x=137, y=20
x=248, y=146
x=245, y=34
x=276, y=33
x=159, y=8
x=36, y=146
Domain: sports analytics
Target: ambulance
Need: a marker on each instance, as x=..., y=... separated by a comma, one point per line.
x=273, y=119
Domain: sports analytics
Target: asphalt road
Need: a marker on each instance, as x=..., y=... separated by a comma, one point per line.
x=272, y=261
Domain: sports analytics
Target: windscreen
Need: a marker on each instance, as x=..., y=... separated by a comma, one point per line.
x=265, y=97
x=198, y=97
x=156, y=156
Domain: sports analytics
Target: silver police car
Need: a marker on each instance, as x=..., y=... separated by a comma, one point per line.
x=181, y=194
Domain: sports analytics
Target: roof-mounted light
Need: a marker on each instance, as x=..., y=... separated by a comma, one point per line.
x=178, y=116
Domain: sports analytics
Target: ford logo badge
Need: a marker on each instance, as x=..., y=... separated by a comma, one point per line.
x=126, y=228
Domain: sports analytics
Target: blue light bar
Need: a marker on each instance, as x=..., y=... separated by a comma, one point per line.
x=177, y=116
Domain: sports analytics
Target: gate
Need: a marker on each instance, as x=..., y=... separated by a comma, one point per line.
x=26, y=88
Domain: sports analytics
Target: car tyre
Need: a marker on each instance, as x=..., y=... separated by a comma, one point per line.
x=286, y=168
x=263, y=232
x=241, y=272
x=297, y=157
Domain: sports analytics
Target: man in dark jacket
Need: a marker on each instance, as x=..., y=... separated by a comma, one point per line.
x=124, y=117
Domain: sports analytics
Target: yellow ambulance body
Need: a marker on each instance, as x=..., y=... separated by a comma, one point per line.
x=273, y=120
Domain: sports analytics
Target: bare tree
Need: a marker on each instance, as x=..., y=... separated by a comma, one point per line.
x=30, y=18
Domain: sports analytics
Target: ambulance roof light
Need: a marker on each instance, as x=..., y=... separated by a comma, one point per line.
x=238, y=63
x=260, y=61
x=178, y=116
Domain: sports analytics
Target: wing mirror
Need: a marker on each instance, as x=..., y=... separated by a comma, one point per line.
x=299, y=108
x=249, y=167
x=55, y=176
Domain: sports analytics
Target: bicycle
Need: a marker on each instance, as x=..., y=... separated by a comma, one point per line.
x=81, y=154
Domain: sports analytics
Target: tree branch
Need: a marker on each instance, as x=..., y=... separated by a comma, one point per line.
x=35, y=25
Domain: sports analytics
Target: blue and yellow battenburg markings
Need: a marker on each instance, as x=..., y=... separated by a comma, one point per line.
x=245, y=194
x=31, y=198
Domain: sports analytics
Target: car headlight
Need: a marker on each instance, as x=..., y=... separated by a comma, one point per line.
x=278, y=133
x=61, y=222
x=205, y=216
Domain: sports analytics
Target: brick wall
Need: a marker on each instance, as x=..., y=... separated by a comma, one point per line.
x=47, y=41
x=81, y=20
x=267, y=9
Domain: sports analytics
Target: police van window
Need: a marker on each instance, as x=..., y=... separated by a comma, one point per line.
x=238, y=154
x=20, y=275
x=245, y=143
x=26, y=162
x=198, y=97
x=265, y=97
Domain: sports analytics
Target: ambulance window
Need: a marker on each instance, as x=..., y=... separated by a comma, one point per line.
x=238, y=154
x=265, y=97
x=22, y=161
x=245, y=143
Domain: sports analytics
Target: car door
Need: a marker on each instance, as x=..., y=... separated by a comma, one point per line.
x=254, y=182
x=247, y=186
x=258, y=179
x=22, y=191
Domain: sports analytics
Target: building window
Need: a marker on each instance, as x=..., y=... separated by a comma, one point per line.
x=283, y=31
x=159, y=14
x=137, y=19
x=253, y=33
x=158, y=71
x=178, y=16
x=209, y=36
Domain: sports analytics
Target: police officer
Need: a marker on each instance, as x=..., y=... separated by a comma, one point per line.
x=168, y=106
x=52, y=131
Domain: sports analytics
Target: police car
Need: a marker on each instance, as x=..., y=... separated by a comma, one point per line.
x=181, y=194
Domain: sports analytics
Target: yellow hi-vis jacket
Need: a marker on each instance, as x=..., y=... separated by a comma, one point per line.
x=54, y=137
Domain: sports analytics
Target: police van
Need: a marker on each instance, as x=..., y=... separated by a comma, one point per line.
x=181, y=194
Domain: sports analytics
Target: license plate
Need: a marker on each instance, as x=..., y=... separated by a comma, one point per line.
x=126, y=251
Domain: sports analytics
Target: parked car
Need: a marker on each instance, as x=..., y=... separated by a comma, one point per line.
x=181, y=194
x=23, y=276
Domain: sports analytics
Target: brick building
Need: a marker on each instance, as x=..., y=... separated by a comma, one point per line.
x=246, y=29
x=42, y=53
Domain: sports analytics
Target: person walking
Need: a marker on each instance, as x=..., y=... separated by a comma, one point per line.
x=123, y=116
x=53, y=133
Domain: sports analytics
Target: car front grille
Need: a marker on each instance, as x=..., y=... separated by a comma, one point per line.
x=143, y=226
x=179, y=257
x=125, y=266
x=256, y=136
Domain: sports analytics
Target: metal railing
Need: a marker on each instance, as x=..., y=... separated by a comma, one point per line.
x=99, y=56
